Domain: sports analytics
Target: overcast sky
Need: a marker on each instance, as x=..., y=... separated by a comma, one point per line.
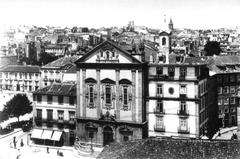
x=97, y=13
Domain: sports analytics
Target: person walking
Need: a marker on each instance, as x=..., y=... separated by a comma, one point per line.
x=18, y=154
x=14, y=141
x=21, y=144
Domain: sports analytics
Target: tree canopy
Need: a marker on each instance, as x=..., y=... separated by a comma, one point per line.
x=18, y=105
x=212, y=48
x=46, y=58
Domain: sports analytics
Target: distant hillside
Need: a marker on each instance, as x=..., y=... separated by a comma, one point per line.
x=169, y=148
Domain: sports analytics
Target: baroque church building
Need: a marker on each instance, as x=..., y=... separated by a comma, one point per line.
x=111, y=87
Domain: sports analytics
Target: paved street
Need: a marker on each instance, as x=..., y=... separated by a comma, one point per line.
x=33, y=152
x=227, y=133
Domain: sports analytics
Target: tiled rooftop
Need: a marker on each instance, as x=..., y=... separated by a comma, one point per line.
x=21, y=68
x=61, y=62
x=65, y=89
x=172, y=148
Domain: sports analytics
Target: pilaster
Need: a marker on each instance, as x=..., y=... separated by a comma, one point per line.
x=98, y=94
x=134, y=95
x=140, y=105
x=78, y=94
x=84, y=92
x=117, y=95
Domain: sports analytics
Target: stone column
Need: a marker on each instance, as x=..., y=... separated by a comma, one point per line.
x=84, y=92
x=117, y=95
x=78, y=94
x=98, y=94
x=134, y=95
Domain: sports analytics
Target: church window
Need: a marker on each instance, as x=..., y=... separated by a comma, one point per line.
x=91, y=93
x=107, y=53
x=108, y=95
x=125, y=94
x=163, y=41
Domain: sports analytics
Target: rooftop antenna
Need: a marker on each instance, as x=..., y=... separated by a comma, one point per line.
x=164, y=18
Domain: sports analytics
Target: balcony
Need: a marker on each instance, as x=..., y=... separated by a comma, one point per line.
x=51, y=79
x=182, y=78
x=183, y=131
x=159, y=129
x=158, y=77
x=59, y=120
x=158, y=112
x=183, y=113
x=159, y=94
x=58, y=80
x=45, y=79
x=183, y=95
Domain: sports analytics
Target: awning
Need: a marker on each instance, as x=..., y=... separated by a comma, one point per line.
x=37, y=133
x=47, y=134
x=57, y=135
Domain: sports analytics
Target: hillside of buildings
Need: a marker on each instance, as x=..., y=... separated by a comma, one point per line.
x=172, y=149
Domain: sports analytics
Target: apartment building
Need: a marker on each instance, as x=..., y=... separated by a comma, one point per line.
x=20, y=78
x=54, y=114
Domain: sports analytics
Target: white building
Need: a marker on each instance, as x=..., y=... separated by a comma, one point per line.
x=53, y=71
x=110, y=95
x=54, y=114
x=20, y=78
x=177, y=103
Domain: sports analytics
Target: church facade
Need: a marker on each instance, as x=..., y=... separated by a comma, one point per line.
x=110, y=95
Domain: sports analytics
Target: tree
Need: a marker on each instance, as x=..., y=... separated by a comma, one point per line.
x=18, y=105
x=212, y=48
x=46, y=58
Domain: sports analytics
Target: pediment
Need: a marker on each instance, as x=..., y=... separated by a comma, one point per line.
x=125, y=81
x=90, y=80
x=107, y=52
x=108, y=81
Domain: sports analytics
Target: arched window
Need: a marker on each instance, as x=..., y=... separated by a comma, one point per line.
x=163, y=41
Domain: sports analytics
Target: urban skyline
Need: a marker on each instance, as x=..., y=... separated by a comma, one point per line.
x=185, y=14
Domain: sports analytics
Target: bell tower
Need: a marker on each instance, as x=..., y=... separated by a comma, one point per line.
x=170, y=25
x=164, y=47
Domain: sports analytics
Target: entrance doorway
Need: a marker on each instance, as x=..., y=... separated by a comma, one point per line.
x=107, y=135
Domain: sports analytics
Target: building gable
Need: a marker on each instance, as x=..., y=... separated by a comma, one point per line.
x=108, y=52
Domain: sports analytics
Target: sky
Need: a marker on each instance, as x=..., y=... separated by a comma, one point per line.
x=195, y=14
